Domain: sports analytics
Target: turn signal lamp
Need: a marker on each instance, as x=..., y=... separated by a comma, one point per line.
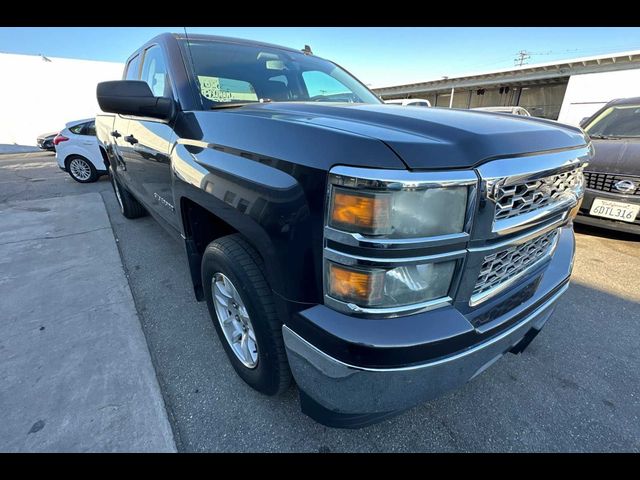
x=360, y=212
x=362, y=287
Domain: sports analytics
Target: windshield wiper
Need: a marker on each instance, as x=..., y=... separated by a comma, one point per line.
x=238, y=104
x=604, y=137
x=231, y=105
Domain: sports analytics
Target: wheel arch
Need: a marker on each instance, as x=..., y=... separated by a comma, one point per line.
x=201, y=226
x=263, y=199
x=71, y=156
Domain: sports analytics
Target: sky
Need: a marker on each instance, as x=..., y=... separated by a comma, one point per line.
x=380, y=56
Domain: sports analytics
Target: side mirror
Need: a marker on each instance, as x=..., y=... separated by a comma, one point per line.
x=133, y=97
x=583, y=122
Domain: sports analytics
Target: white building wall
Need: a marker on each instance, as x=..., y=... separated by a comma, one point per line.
x=38, y=96
x=587, y=93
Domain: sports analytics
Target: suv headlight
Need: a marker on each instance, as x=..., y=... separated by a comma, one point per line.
x=390, y=208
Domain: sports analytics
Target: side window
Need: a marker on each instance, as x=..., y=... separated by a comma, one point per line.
x=77, y=129
x=154, y=72
x=89, y=128
x=132, y=68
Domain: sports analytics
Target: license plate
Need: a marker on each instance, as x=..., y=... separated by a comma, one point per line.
x=625, y=212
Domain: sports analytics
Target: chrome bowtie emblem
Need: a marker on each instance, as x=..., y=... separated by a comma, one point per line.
x=625, y=186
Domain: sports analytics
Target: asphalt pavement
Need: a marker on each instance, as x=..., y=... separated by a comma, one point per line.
x=576, y=388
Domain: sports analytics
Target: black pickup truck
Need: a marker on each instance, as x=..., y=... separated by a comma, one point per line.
x=381, y=256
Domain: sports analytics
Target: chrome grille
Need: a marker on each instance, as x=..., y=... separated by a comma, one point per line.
x=606, y=182
x=503, y=267
x=518, y=198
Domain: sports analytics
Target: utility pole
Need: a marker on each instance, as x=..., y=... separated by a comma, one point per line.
x=520, y=60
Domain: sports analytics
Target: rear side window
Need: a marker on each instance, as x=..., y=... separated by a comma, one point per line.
x=154, y=72
x=89, y=128
x=132, y=68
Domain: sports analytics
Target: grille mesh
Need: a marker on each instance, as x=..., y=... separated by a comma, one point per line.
x=516, y=199
x=499, y=267
x=606, y=182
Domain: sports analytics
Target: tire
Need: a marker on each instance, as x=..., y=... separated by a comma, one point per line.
x=233, y=258
x=129, y=206
x=81, y=169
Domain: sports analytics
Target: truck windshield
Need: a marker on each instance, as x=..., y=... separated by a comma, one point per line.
x=228, y=74
x=618, y=121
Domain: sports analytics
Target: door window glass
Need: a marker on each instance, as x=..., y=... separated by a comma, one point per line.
x=132, y=68
x=154, y=72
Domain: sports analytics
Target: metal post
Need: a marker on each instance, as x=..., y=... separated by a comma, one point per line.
x=519, y=95
x=451, y=99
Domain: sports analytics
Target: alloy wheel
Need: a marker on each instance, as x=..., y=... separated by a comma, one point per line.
x=234, y=320
x=80, y=169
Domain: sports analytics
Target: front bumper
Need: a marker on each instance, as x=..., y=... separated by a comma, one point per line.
x=342, y=393
x=586, y=219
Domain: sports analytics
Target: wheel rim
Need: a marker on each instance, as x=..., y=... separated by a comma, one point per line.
x=116, y=189
x=234, y=320
x=80, y=169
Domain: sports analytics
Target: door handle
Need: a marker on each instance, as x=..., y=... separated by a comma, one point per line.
x=131, y=139
x=115, y=134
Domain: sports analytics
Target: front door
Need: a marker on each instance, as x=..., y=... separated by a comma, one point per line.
x=148, y=144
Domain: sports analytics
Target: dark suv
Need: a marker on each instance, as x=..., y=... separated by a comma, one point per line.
x=612, y=198
x=381, y=255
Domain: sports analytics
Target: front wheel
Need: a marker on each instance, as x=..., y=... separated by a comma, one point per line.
x=243, y=312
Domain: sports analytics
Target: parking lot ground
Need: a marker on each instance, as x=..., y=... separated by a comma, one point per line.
x=576, y=388
x=75, y=371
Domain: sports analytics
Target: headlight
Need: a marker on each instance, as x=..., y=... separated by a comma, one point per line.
x=387, y=236
x=399, y=214
x=385, y=288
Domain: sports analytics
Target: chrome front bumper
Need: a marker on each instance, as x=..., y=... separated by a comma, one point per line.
x=369, y=392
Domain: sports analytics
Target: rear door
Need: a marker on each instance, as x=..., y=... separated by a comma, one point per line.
x=149, y=140
x=90, y=142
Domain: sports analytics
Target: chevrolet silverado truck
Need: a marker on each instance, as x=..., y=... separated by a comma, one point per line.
x=379, y=256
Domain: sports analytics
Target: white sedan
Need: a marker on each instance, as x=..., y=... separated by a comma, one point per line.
x=77, y=151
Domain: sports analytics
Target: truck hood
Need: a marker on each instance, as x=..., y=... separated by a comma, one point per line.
x=616, y=156
x=430, y=137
